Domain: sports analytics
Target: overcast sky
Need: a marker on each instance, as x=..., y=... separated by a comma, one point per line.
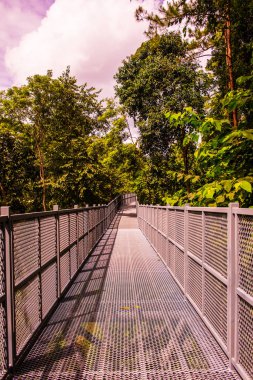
x=91, y=36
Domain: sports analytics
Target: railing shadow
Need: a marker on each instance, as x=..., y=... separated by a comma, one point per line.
x=56, y=343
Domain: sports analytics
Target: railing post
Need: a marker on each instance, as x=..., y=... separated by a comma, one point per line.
x=40, y=274
x=58, y=264
x=88, y=229
x=232, y=282
x=156, y=209
x=186, y=248
x=9, y=273
x=167, y=236
x=203, y=220
x=77, y=237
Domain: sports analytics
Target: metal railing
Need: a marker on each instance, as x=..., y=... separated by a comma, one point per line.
x=40, y=253
x=209, y=252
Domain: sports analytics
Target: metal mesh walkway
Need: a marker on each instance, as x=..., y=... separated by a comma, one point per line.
x=125, y=318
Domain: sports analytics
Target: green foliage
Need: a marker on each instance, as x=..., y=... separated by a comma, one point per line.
x=155, y=79
x=60, y=145
x=18, y=174
x=223, y=160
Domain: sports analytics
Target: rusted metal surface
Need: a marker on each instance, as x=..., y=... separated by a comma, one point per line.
x=125, y=317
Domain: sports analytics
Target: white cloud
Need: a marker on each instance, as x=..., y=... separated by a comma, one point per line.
x=16, y=20
x=93, y=37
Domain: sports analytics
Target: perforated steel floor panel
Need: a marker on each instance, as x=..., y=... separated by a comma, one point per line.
x=125, y=318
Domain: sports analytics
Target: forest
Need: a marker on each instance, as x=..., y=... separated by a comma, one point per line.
x=189, y=94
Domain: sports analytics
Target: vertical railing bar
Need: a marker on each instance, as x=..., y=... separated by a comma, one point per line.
x=203, y=261
x=236, y=284
x=156, y=228
x=40, y=274
x=69, y=227
x=88, y=230
x=167, y=234
x=186, y=214
x=231, y=295
x=9, y=288
x=77, y=235
x=58, y=263
x=174, y=239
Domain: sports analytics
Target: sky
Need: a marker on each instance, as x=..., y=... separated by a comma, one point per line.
x=92, y=36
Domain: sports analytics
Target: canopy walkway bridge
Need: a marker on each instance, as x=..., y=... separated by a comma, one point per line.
x=99, y=293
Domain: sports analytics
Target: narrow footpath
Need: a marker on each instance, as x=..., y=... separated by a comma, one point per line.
x=125, y=318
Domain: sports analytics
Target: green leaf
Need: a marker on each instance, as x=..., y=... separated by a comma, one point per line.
x=247, y=135
x=243, y=79
x=196, y=179
x=220, y=199
x=186, y=141
x=245, y=185
x=231, y=196
x=209, y=193
x=228, y=186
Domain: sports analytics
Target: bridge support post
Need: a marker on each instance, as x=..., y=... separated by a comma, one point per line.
x=186, y=248
x=78, y=261
x=57, y=237
x=232, y=284
x=9, y=283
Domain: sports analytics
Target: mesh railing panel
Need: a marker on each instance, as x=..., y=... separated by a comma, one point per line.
x=216, y=241
x=245, y=336
x=195, y=233
x=179, y=265
x=2, y=262
x=49, y=289
x=164, y=221
x=215, y=304
x=171, y=224
x=64, y=231
x=73, y=258
x=245, y=283
x=26, y=248
x=159, y=219
x=245, y=225
x=195, y=282
x=163, y=247
x=27, y=308
x=171, y=256
x=72, y=228
x=179, y=227
x=47, y=239
x=3, y=342
x=65, y=270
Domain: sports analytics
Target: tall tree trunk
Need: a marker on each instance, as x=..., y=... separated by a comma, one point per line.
x=227, y=35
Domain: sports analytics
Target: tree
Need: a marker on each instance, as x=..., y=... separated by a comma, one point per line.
x=216, y=24
x=18, y=174
x=157, y=78
x=223, y=159
x=51, y=115
x=60, y=145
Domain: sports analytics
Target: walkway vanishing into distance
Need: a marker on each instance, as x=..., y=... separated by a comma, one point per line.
x=124, y=317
